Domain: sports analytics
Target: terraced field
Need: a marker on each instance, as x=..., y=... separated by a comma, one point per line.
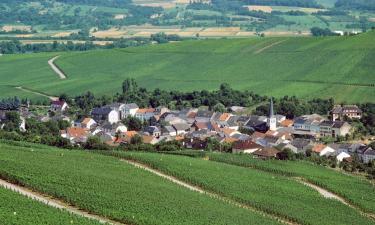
x=113, y=189
x=263, y=190
x=339, y=67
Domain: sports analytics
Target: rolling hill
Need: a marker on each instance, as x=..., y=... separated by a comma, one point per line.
x=339, y=67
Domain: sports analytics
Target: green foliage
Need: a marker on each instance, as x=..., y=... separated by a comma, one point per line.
x=133, y=123
x=356, y=190
x=317, y=32
x=262, y=190
x=114, y=189
x=18, y=210
x=94, y=142
x=307, y=68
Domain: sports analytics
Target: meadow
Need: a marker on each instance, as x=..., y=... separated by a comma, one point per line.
x=263, y=190
x=338, y=67
x=19, y=210
x=108, y=187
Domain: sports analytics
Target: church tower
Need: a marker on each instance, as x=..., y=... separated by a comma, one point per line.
x=271, y=122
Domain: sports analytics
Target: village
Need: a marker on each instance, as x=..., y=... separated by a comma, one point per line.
x=264, y=137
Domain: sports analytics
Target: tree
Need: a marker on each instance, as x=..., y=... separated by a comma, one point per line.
x=136, y=140
x=133, y=123
x=12, y=121
x=94, y=142
x=129, y=85
x=219, y=107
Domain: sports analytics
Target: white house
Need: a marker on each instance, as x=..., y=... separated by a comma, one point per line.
x=59, y=106
x=88, y=123
x=343, y=155
x=106, y=114
x=145, y=114
x=327, y=151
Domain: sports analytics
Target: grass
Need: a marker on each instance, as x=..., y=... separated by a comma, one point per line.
x=19, y=210
x=339, y=67
x=263, y=190
x=111, y=188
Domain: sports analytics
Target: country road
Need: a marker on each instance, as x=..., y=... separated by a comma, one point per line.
x=52, y=98
x=55, y=203
x=57, y=70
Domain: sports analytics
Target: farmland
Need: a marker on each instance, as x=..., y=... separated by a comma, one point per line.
x=358, y=191
x=18, y=210
x=255, y=188
x=113, y=189
x=339, y=67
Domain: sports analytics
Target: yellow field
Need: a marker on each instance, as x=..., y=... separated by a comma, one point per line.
x=9, y=28
x=148, y=30
x=262, y=8
x=63, y=41
x=63, y=34
x=166, y=4
x=269, y=9
x=111, y=33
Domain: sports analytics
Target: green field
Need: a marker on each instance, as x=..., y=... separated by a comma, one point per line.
x=356, y=190
x=19, y=210
x=114, y=189
x=262, y=190
x=339, y=67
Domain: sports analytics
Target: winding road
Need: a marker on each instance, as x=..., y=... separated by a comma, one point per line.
x=57, y=70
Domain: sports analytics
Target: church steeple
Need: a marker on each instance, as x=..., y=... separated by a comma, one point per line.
x=271, y=108
x=272, y=123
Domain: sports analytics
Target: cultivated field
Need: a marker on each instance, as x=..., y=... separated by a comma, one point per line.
x=116, y=190
x=19, y=210
x=339, y=67
x=262, y=190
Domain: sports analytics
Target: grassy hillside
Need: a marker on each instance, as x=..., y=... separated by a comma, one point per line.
x=339, y=67
x=262, y=190
x=114, y=189
x=19, y=210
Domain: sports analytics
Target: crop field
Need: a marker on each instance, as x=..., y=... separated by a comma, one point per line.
x=18, y=210
x=338, y=67
x=358, y=191
x=263, y=190
x=114, y=189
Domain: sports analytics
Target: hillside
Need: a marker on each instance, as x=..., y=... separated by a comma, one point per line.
x=138, y=188
x=339, y=67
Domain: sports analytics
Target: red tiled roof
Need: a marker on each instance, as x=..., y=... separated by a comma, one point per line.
x=318, y=148
x=146, y=110
x=76, y=132
x=266, y=152
x=242, y=145
x=224, y=117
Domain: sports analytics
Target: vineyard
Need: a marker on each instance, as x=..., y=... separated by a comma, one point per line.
x=265, y=191
x=356, y=190
x=18, y=210
x=113, y=189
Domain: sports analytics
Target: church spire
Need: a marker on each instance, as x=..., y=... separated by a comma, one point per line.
x=272, y=123
x=271, y=108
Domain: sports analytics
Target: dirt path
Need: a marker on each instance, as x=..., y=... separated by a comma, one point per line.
x=55, y=203
x=57, y=70
x=202, y=191
x=327, y=194
x=268, y=46
x=52, y=98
